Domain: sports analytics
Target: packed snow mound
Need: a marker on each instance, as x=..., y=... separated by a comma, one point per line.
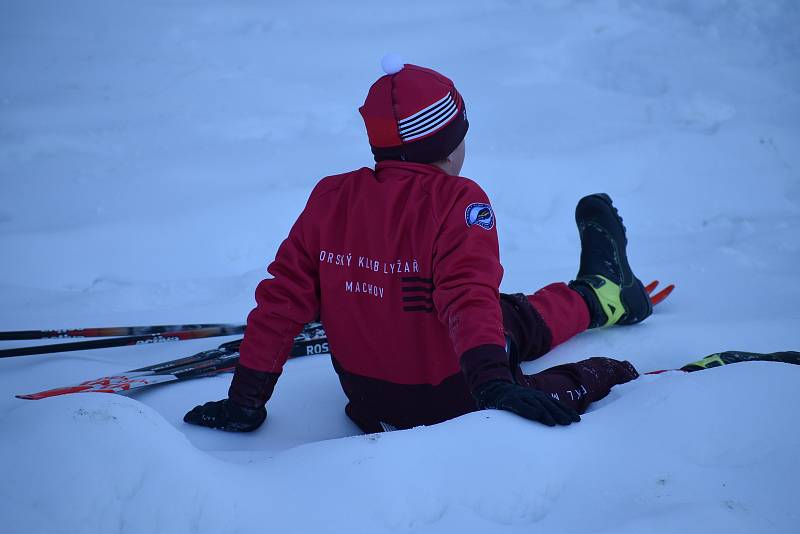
x=104, y=463
x=716, y=447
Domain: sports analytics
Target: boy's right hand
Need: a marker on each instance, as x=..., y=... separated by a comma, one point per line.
x=527, y=402
x=226, y=415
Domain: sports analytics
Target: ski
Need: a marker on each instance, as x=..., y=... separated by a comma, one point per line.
x=108, y=331
x=734, y=356
x=311, y=340
x=205, y=363
x=661, y=295
x=738, y=356
x=144, y=339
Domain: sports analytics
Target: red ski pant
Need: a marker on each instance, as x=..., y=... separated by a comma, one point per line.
x=537, y=323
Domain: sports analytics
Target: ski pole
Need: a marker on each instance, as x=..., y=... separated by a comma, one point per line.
x=109, y=331
x=124, y=341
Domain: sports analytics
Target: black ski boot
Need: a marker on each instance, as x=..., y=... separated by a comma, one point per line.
x=735, y=356
x=605, y=280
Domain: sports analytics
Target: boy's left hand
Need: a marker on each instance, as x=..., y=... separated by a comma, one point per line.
x=526, y=402
x=226, y=415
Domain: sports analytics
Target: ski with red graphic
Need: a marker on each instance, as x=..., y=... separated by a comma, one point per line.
x=312, y=340
x=203, y=363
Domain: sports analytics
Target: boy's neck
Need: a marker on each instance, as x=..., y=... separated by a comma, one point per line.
x=445, y=165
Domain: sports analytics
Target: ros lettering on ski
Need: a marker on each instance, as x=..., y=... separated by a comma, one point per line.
x=317, y=348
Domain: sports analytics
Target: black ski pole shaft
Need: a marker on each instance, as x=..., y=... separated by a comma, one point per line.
x=108, y=331
x=121, y=341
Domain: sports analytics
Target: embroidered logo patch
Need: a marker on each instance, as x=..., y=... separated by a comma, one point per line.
x=480, y=214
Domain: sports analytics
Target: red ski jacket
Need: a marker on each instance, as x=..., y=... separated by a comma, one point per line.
x=401, y=264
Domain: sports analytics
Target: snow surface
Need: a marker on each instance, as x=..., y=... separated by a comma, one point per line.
x=154, y=154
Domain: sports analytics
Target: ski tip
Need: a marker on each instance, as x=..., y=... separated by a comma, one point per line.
x=651, y=286
x=656, y=298
x=662, y=295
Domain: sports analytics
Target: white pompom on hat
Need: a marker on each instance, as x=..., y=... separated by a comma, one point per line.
x=392, y=63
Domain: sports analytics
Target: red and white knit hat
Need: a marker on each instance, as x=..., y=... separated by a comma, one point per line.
x=413, y=114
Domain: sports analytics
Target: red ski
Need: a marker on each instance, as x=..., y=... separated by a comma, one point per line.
x=312, y=340
x=108, y=384
x=206, y=363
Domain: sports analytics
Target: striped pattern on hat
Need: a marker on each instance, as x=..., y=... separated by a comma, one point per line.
x=428, y=120
x=414, y=114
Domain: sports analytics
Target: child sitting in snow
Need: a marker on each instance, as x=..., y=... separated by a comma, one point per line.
x=401, y=263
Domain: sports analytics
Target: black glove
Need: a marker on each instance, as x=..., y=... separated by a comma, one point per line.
x=529, y=403
x=226, y=415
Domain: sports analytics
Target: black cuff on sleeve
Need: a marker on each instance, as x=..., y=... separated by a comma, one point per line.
x=484, y=363
x=251, y=388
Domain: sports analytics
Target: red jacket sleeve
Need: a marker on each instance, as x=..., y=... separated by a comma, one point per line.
x=466, y=278
x=284, y=303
